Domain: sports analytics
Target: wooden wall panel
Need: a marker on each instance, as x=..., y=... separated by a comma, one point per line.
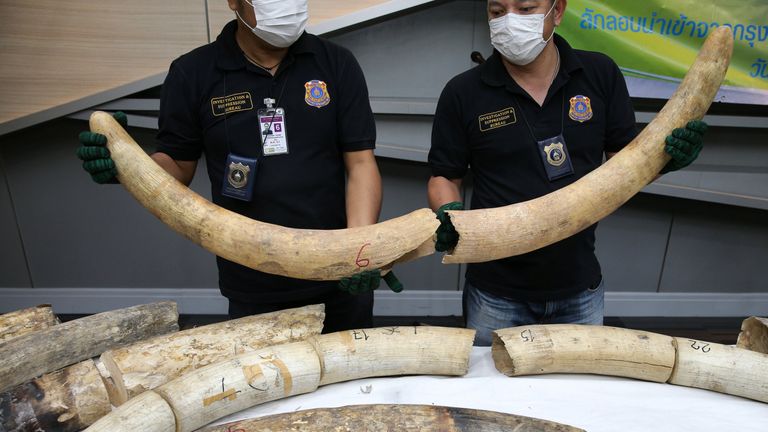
x=57, y=52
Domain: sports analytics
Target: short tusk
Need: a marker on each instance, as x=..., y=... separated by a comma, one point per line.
x=490, y=234
x=298, y=253
x=571, y=348
x=391, y=351
x=721, y=368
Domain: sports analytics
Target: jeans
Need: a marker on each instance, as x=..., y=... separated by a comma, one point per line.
x=486, y=312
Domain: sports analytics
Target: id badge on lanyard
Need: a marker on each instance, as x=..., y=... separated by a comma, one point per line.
x=274, y=137
x=554, y=154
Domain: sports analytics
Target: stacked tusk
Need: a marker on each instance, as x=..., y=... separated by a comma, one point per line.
x=571, y=348
x=220, y=389
x=30, y=320
x=33, y=354
x=490, y=234
x=297, y=253
x=148, y=364
x=385, y=418
x=754, y=335
x=67, y=400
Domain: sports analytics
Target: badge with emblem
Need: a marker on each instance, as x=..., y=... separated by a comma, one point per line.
x=581, y=109
x=555, y=154
x=316, y=94
x=240, y=173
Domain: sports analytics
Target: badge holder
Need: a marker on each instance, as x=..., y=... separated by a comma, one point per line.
x=274, y=137
x=554, y=154
x=240, y=174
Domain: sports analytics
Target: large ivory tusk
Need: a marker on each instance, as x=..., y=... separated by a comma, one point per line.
x=220, y=389
x=31, y=355
x=490, y=234
x=721, y=368
x=148, y=364
x=298, y=253
x=30, y=320
x=390, y=351
x=67, y=400
x=385, y=418
x=754, y=335
x=571, y=348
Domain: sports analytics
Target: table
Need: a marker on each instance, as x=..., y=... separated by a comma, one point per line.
x=592, y=402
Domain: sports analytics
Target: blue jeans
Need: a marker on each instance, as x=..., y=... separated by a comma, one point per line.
x=486, y=312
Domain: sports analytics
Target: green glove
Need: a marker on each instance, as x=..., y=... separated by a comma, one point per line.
x=684, y=145
x=369, y=280
x=95, y=155
x=447, y=236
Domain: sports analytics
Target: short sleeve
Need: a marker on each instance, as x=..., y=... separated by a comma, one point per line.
x=357, y=128
x=620, y=127
x=179, y=134
x=449, y=153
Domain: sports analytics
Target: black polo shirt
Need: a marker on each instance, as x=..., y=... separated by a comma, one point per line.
x=209, y=106
x=486, y=123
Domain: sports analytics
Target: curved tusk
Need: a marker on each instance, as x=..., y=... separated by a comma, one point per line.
x=422, y=418
x=298, y=253
x=754, y=335
x=151, y=363
x=490, y=234
x=572, y=348
x=721, y=368
x=212, y=392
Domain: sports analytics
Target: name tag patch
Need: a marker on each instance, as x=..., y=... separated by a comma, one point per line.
x=232, y=103
x=497, y=119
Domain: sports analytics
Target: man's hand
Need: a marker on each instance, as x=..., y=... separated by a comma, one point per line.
x=447, y=236
x=684, y=145
x=96, y=158
x=369, y=280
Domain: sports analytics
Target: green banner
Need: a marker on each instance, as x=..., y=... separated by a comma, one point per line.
x=654, y=42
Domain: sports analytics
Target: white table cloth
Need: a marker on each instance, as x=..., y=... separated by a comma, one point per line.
x=592, y=402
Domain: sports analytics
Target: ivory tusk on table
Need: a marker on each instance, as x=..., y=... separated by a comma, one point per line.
x=386, y=418
x=33, y=354
x=721, y=368
x=489, y=234
x=297, y=253
x=572, y=348
x=148, y=364
x=212, y=392
x=391, y=351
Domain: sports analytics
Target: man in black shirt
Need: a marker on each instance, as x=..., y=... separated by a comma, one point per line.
x=281, y=117
x=535, y=117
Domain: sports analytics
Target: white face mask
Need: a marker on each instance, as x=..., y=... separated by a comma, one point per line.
x=278, y=22
x=520, y=38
